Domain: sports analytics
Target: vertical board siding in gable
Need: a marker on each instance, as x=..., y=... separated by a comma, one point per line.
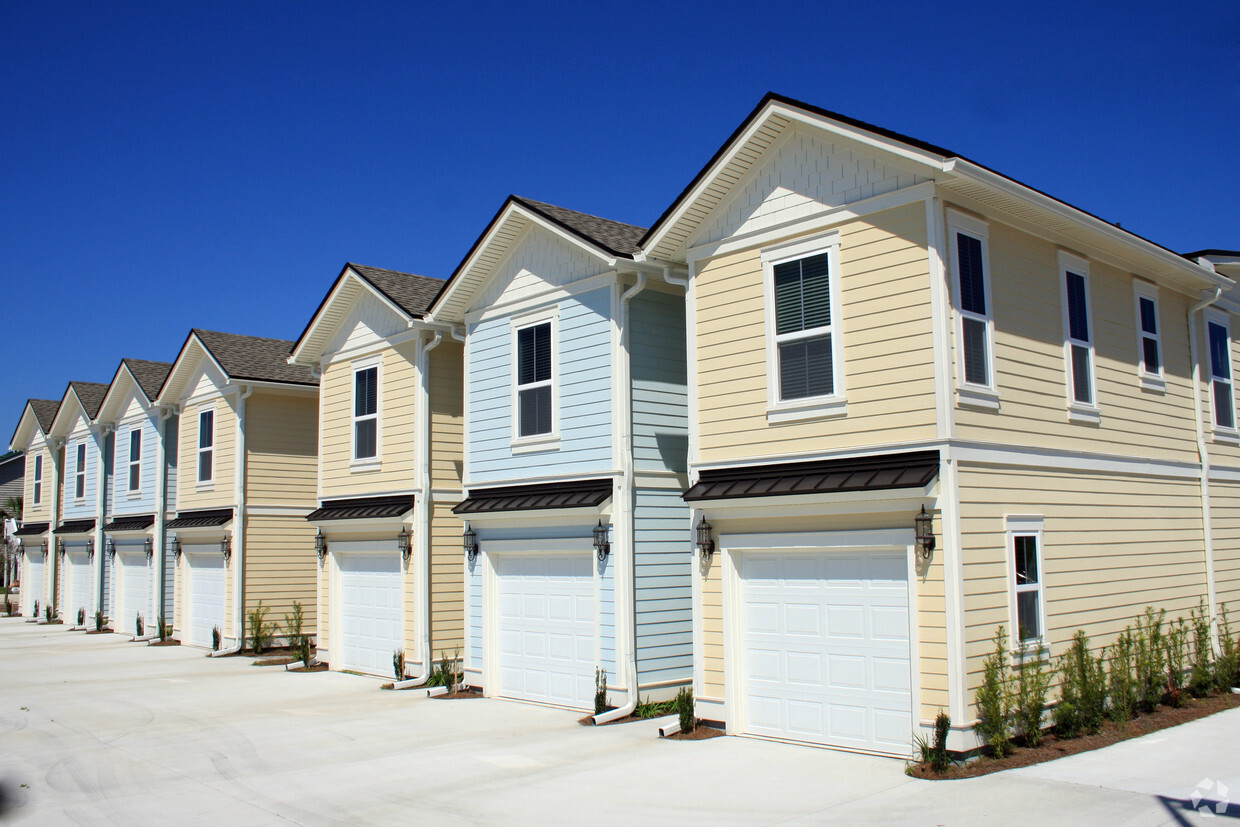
x=1031, y=372
x=280, y=567
x=584, y=396
x=662, y=588
x=887, y=341
x=539, y=260
x=222, y=493
x=368, y=321
x=660, y=383
x=802, y=175
x=281, y=463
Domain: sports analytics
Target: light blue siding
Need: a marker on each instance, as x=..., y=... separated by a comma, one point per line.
x=583, y=375
x=86, y=507
x=169, y=575
x=660, y=383
x=170, y=471
x=607, y=619
x=122, y=503
x=663, y=565
x=473, y=598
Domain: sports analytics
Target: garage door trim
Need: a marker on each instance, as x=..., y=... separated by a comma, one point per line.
x=733, y=546
x=348, y=549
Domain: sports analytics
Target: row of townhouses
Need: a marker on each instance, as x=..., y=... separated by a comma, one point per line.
x=852, y=403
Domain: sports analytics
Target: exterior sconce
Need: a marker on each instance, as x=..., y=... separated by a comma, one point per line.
x=148, y=545
x=21, y=549
x=176, y=546
x=43, y=547
x=90, y=549
x=110, y=545
x=403, y=544
x=470, y=539
x=226, y=547
x=601, y=546
x=705, y=545
x=60, y=547
x=924, y=524
x=320, y=544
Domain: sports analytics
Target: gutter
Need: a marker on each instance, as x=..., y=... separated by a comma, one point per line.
x=624, y=509
x=1203, y=454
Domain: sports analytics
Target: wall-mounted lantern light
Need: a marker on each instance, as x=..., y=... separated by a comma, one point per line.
x=43, y=547
x=60, y=547
x=226, y=547
x=148, y=545
x=470, y=541
x=320, y=544
x=403, y=544
x=924, y=525
x=702, y=539
x=601, y=545
x=176, y=546
x=21, y=549
x=90, y=549
x=110, y=545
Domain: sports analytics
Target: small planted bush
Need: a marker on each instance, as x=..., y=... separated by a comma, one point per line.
x=139, y=625
x=8, y=605
x=445, y=673
x=99, y=620
x=1122, y=684
x=684, y=709
x=1029, y=704
x=1150, y=659
x=47, y=610
x=600, y=691
x=398, y=664
x=81, y=616
x=993, y=703
x=261, y=629
x=1201, y=674
x=654, y=709
x=1228, y=664
x=1175, y=645
x=1082, y=689
x=298, y=641
x=165, y=628
x=36, y=610
x=215, y=638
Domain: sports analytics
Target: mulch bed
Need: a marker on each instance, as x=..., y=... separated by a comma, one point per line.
x=465, y=692
x=1053, y=746
x=700, y=733
x=99, y=631
x=318, y=667
x=168, y=642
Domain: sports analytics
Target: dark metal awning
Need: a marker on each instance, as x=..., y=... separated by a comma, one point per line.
x=362, y=508
x=201, y=519
x=131, y=523
x=908, y=470
x=75, y=527
x=31, y=529
x=576, y=494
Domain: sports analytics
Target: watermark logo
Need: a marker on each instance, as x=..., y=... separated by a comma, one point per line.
x=1210, y=798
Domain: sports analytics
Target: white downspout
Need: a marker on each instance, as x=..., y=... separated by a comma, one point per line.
x=238, y=540
x=423, y=513
x=1203, y=455
x=101, y=508
x=161, y=509
x=628, y=548
x=58, y=484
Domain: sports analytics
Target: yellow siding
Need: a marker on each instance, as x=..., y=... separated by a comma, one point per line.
x=447, y=580
x=280, y=567
x=447, y=400
x=888, y=348
x=1032, y=373
x=1112, y=545
x=280, y=439
x=42, y=512
x=1225, y=511
x=222, y=493
x=397, y=427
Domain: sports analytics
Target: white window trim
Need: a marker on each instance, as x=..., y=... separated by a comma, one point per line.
x=1025, y=526
x=366, y=463
x=536, y=442
x=971, y=393
x=201, y=484
x=1089, y=412
x=79, y=471
x=813, y=407
x=130, y=463
x=1221, y=434
x=37, y=484
x=1150, y=380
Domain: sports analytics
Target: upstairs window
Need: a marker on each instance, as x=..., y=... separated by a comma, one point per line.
x=975, y=332
x=1149, y=336
x=804, y=329
x=534, y=380
x=1028, y=596
x=38, y=479
x=1222, y=401
x=366, y=413
x=135, y=460
x=206, y=445
x=1078, y=342
x=79, y=475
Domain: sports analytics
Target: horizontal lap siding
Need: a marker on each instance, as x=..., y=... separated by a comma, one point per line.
x=888, y=349
x=33, y=512
x=398, y=424
x=281, y=463
x=584, y=404
x=87, y=506
x=280, y=567
x=1225, y=514
x=221, y=494
x=447, y=401
x=447, y=580
x=1112, y=546
x=660, y=383
x=662, y=587
x=1032, y=372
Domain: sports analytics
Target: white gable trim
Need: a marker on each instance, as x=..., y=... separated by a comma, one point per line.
x=319, y=334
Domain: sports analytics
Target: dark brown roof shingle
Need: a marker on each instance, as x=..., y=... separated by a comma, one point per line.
x=91, y=395
x=149, y=375
x=414, y=294
x=44, y=411
x=613, y=236
x=253, y=357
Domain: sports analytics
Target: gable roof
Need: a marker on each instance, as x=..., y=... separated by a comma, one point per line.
x=408, y=294
x=150, y=376
x=91, y=395
x=83, y=396
x=607, y=239
x=37, y=413
x=952, y=171
x=254, y=357
x=44, y=411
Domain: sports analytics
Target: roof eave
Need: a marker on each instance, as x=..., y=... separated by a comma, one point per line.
x=180, y=366
x=309, y=346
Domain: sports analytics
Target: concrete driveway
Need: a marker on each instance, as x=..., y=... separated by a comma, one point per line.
x=103, y=731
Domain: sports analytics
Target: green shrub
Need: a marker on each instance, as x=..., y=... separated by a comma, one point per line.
x=36, y=610
x=99, y=621
x=1122, y=683
x=47, y=610
x=81, y=616
x=993, y=703
x=1175, y=644
x=8, y=605
x=653, y=709
x=1150, y=656
x=684, y=708
x=164, y=628
x=600, y=691
x=216, y=637
x=1227, y=666
x=1033, y=682
x=445, y=673
x=398, y=664
x=261, y=629
x=138, y=625
x=298, y=641
x=1082, y=689
x=1201, y=676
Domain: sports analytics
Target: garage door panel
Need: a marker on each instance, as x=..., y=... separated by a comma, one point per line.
x=370, y=604
x=826, y=648
x=206, y=589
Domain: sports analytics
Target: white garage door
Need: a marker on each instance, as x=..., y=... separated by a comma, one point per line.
x=81, y=589
x=133, y=597
x=32, y=586
x=546, y=628
x=206, y=593
x=371, y=600
x=825, y=642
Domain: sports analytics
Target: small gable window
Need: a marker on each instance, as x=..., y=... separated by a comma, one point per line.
x=79, y=476
x=1149, y=336
x=534, y=380
x=38, y=479
x=1222, y=400
x=135, y=460
x=206, y=446
x=366, y=413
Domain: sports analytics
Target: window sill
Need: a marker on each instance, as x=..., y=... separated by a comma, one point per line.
x=822, y=407
x=1036, y=650
x=977, y=397
x=363, y=465
x=1086, y=414
x=134, y=495
x=1228, y=437
x=534, y=444
x=1153, y=383
x=205, y=486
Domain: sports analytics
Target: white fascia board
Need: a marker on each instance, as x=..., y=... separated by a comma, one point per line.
x=60, y=425
x=311, y=351
x=539, y=517
x=286, y=387
x=994, y=181
x=118, y=390
x=182, y=368
x=27, y=428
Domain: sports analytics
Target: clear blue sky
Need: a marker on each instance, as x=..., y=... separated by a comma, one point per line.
x=173, y=165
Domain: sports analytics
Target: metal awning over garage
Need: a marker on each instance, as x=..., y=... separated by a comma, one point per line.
x=31, y=530
x=130, y=523
x=75, y=527
x=575, y=494
x=907, y=470
x=362, y=508
x=201, y=519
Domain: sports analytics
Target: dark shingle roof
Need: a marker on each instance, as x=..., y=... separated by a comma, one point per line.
x=412, y=293
x=252, y=357
x=150, y=375
x=613, y=236
x=44, y=411
x=91, y=395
